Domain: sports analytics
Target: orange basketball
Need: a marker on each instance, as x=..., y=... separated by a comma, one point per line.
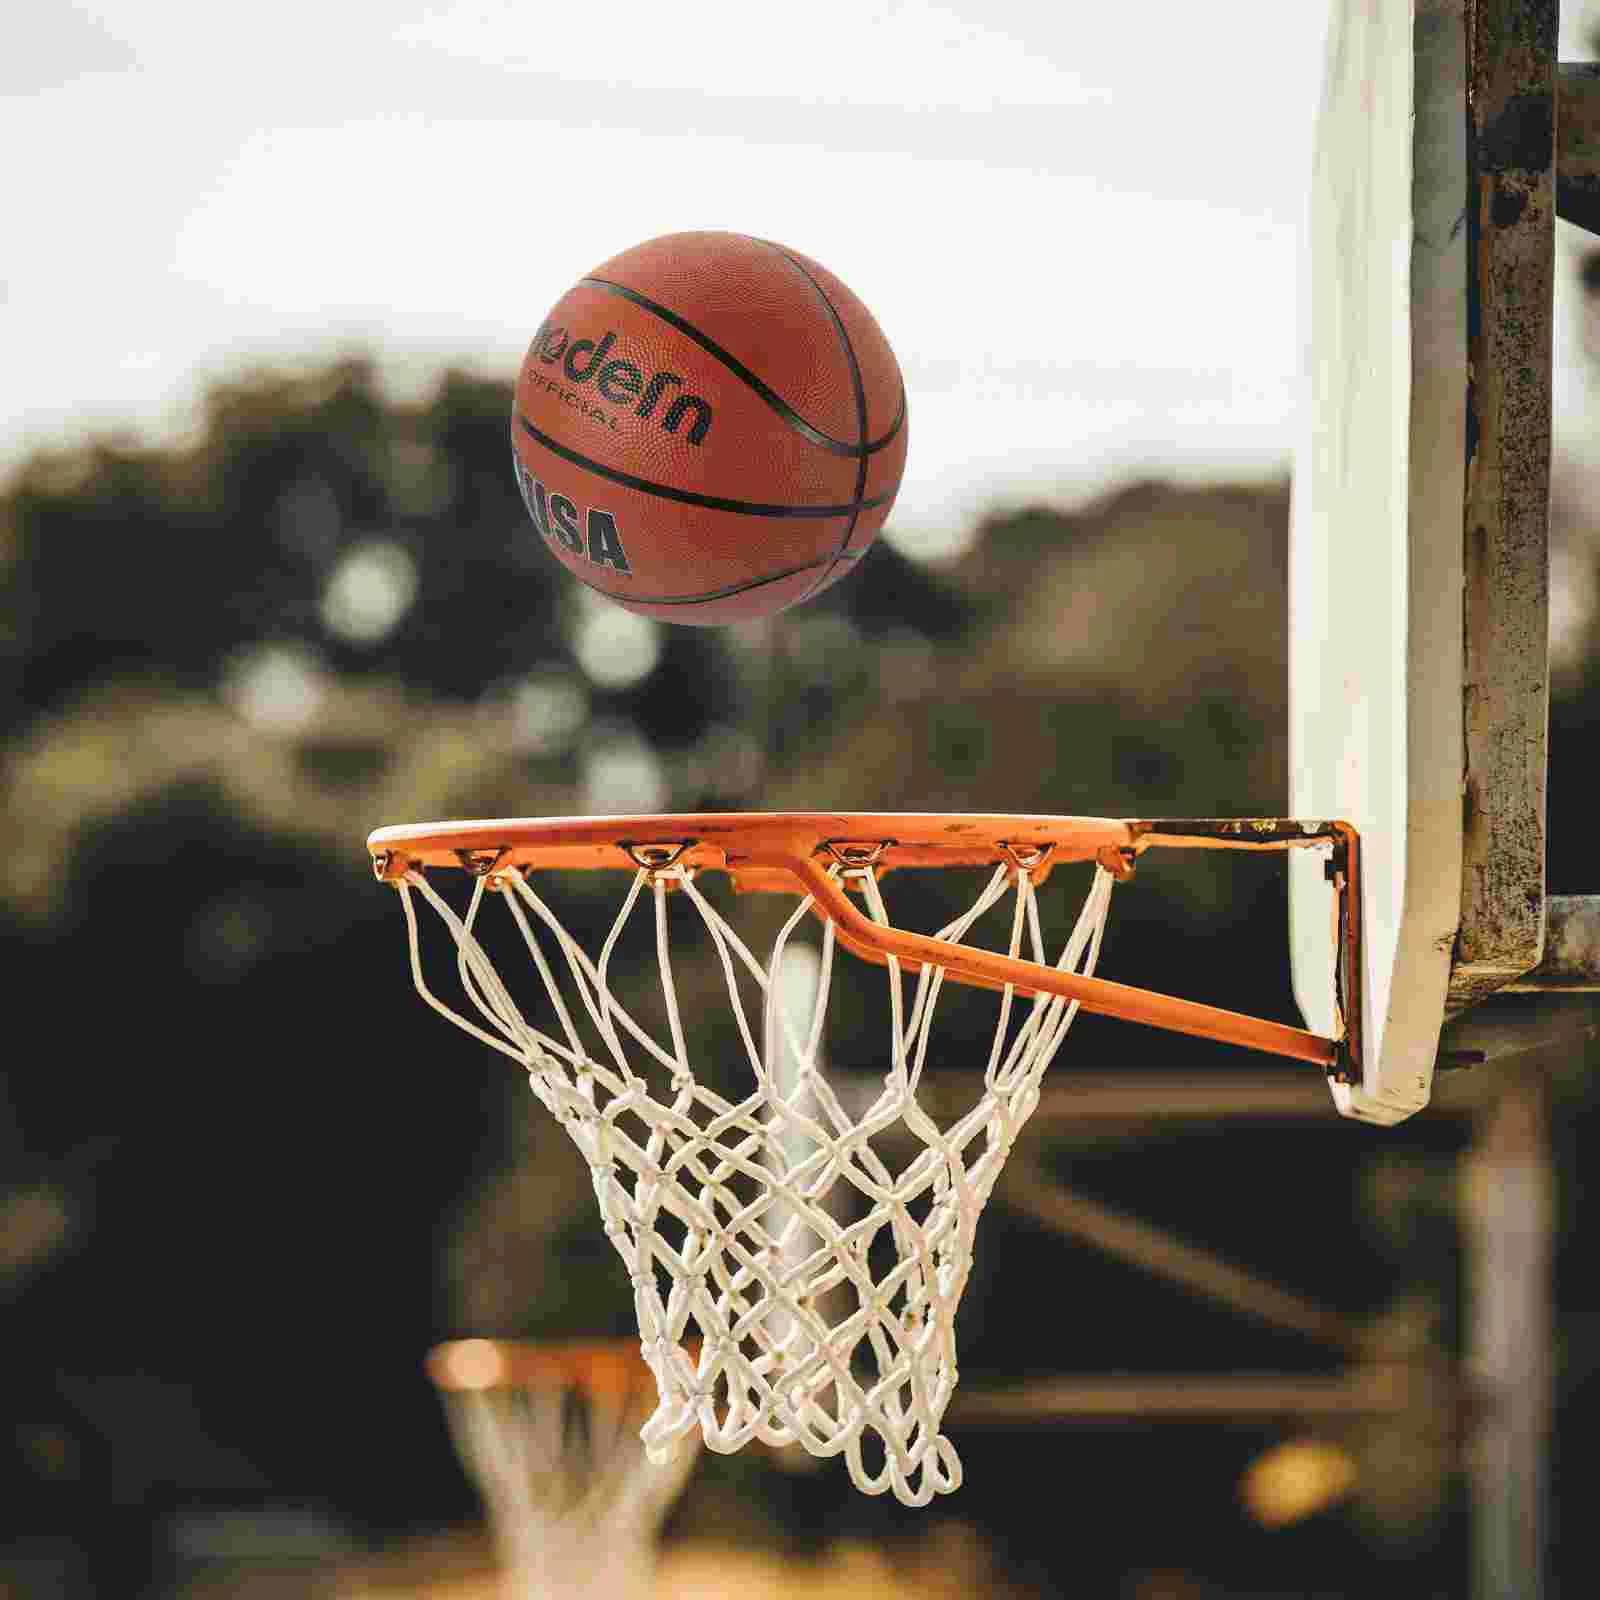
x=709, y=428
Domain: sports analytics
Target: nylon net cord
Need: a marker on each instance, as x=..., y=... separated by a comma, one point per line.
x=726, y=1211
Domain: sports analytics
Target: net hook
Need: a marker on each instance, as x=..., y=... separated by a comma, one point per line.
x=1027, y=857
x=481, y=863
x=655, y=858
x=857, y=855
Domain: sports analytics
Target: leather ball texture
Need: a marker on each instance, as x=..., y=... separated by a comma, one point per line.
x=709, y=428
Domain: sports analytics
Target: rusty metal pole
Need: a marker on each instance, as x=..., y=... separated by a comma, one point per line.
x=1511, y=1255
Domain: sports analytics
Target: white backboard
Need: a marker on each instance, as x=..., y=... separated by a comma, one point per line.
x=1401, y=612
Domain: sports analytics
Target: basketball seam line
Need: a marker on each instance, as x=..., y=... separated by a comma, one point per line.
x=861, y=413
x=710, y=594
x=734, y=365
x=711, y=502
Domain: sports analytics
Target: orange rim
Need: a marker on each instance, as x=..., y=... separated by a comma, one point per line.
x=745, y=842
x=794, y=852
x=612, y=1367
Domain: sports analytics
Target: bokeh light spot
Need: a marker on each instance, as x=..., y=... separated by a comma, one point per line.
x=369, y=592
x=276, y=688
x=616, y=648
x=622, y=774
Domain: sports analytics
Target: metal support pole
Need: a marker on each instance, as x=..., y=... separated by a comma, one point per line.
x=1508, y=1211
x=1154, y=1249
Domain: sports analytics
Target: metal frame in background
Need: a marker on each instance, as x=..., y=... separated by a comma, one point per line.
x=1492, y=1409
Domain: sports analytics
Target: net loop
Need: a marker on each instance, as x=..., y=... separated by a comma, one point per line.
x=796, y=1275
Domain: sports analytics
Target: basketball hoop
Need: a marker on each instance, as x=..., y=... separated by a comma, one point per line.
x=550, y=1434
x=836, y=1334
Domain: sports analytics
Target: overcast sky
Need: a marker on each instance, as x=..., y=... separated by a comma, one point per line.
x=1077, y=223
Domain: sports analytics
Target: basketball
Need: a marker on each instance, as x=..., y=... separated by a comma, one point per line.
x=709, y=428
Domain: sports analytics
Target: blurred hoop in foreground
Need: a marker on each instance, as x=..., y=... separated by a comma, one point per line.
x=550, y=1435
x=724, y=1208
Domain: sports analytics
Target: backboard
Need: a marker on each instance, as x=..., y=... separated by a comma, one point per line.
x=1418, y=555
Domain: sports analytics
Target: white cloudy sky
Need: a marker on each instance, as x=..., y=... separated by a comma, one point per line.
x=1078, y=223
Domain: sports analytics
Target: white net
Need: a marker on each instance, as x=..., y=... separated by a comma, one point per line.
x=814, y=1250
